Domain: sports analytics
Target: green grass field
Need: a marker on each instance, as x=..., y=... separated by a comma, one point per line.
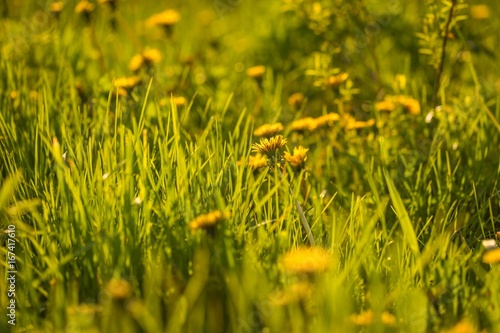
x=250, y=166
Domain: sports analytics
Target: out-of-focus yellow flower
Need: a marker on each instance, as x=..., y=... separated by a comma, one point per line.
x=366, y=318
x=13, y=94
x=299, y=157
x=294, y=293
x=56, y=7
x=385, y=105
x=480, y=12
x=258, y=161
x=327, y=119
x=84, y=7
x=166, y=18
x=34, y=94
x=463, y=326
x=295, y=100
x=388, y=318
x=268, y=129
x=208, y=221
x=336, y=80
x=492, y=256
x=306, y=123
x=351, y=123
x=256, y=72
x=111, y=3
x=410, y=104
x=119, y=289
x=306, y=260
x=127, y=82
x=147, y=57
x=270, y=146
x=179, y=100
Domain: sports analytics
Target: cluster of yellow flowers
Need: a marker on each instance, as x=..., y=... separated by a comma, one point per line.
x=389, y=103
x=366, y=318
x=311, y=124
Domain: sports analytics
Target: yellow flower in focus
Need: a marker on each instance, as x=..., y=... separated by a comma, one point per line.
x=268, y=129
x=127, y=82
x=463, y=326
x=256, y=72
x=166, y=18
x=299, y=157
x=306, y=260
x=208, y=221
x=307, y=123
x=492, y=256
x=269, y=146
x=295, y=100
x=336, y=80
x=84, y=7
x=327, y=119
x=480, y=12
x=119, y=289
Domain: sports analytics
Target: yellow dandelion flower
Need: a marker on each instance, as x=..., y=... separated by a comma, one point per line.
x=166, y=18
x=480, y=12
x=34, y=94
x=56, y=7
x=364, y=318
x=257, y=161
x=294, y=293
x=492, y=256
x=269, y=146
x=410, y=104
x=256, y=72
x=307, y=123
x=136, y=62
x=84, y=7
x=268, y=129
x=119, y=289
x=385, y=105
x=299, y=157
x=352, y=123
x=295, y=100
x=336, y=80
x=152, y=56
x=327, y=119
x=306, y=260
x=179, y=100
x=388, y=318
x=13, y=94
x=463, y=326
x=127, y=82
x=208, y=221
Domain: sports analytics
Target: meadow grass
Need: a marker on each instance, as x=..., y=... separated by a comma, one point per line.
x=138, y=211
